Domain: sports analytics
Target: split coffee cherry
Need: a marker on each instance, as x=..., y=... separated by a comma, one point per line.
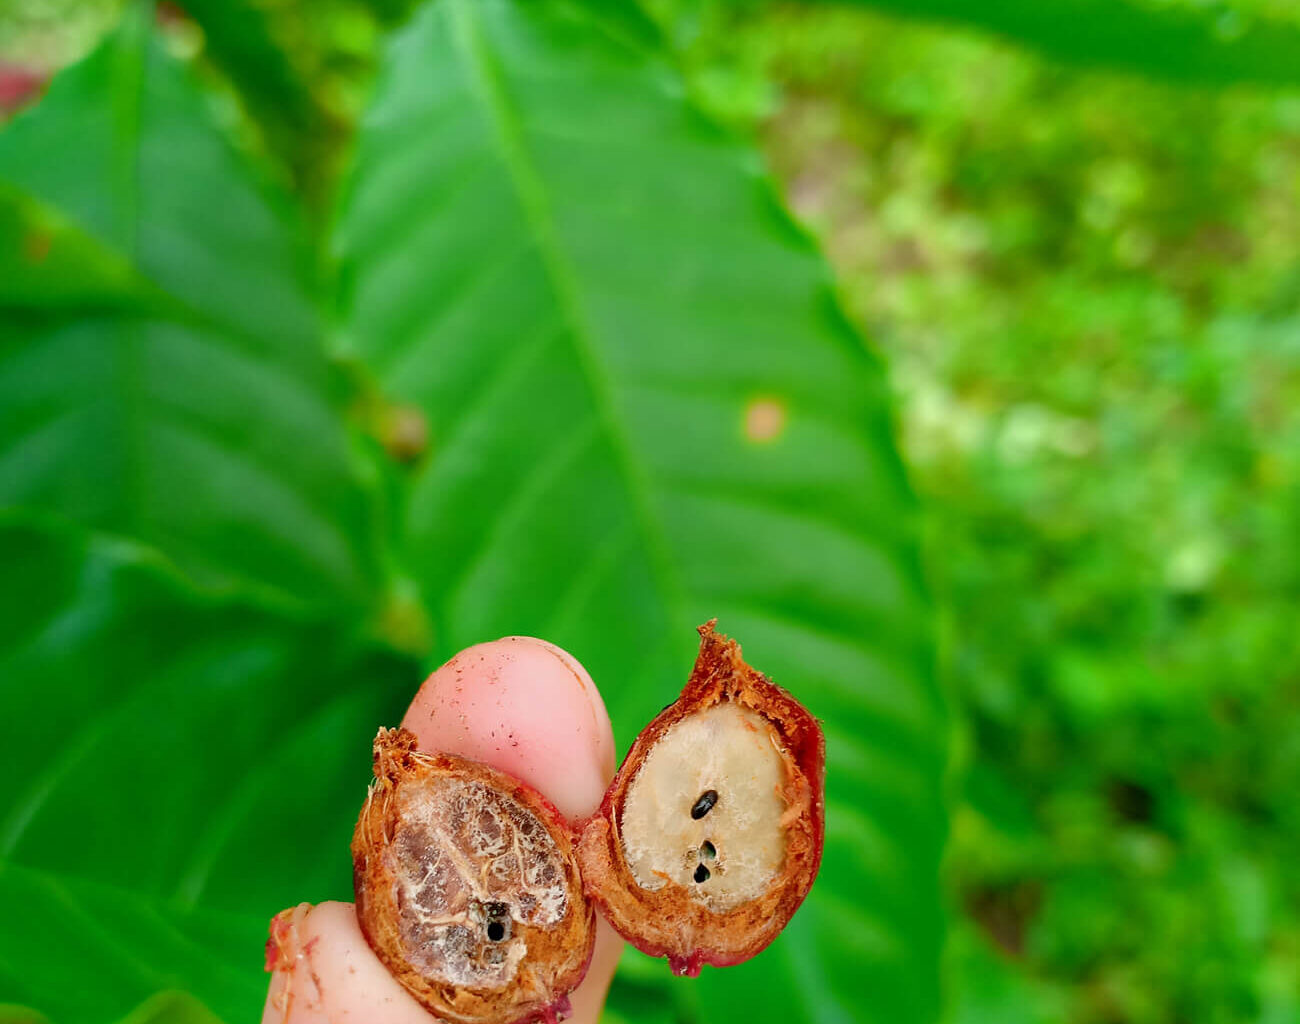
x=468, y=888
x=711, y=833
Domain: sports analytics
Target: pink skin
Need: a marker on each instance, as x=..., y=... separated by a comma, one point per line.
x=521, y=705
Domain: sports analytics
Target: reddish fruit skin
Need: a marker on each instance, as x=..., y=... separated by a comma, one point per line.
x=555, y=957
x=667, y=922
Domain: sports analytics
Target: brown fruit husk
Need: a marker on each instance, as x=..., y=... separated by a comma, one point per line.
x=674, y=920
x=440, y=897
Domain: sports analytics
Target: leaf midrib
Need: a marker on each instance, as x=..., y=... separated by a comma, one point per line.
x=530, y=189
x=127, y=118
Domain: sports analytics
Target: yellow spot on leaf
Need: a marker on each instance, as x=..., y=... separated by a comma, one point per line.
x=764, y=419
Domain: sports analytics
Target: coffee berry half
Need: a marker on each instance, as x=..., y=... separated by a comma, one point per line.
x=711, y=833
x=467, y=888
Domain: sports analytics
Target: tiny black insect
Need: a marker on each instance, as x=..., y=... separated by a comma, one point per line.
x=704, y=804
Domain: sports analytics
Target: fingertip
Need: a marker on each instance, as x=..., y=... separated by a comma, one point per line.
x=525, y=707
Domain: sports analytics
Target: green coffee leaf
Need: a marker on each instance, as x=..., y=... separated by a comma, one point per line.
x=646, y=410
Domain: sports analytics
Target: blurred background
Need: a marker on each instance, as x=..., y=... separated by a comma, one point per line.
x=1071, y=234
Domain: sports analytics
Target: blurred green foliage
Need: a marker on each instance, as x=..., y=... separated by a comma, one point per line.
x=1076, y=240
